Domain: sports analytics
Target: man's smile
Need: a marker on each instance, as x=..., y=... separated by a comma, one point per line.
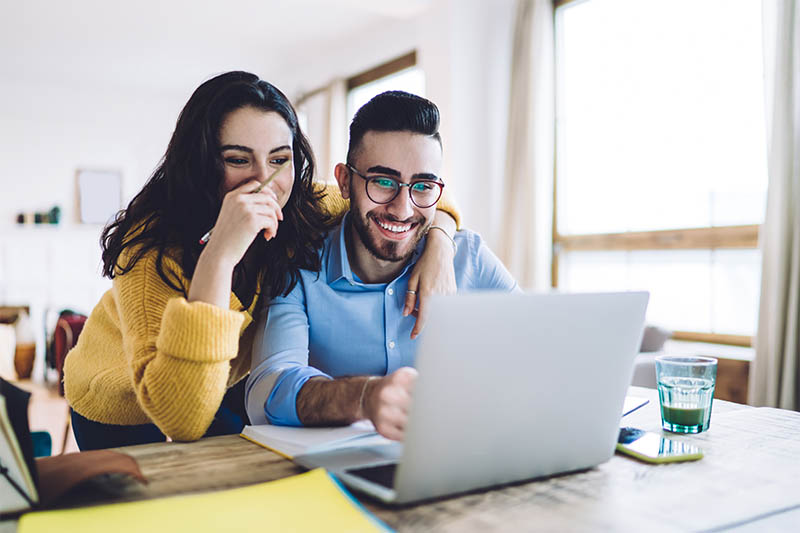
x=392, y=229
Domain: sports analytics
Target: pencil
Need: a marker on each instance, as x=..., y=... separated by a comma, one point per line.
x=204, y=238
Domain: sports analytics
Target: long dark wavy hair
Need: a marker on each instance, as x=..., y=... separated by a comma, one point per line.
x=183, y=197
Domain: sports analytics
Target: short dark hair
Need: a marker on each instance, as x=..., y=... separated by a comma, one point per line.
x=394, y=111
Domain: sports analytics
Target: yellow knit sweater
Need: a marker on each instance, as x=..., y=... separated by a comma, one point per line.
x=146, y=354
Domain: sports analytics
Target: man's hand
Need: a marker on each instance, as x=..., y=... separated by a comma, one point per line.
x=387, y=399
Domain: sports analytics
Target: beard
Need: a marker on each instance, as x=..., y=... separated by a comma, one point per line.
x=380, y=247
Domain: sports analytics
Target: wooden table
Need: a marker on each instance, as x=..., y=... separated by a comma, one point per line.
x=749, y=480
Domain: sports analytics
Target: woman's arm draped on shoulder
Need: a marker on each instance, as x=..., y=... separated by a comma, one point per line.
x=434, y=272
x=178, y=351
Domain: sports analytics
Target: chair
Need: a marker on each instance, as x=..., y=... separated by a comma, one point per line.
x=65, y=335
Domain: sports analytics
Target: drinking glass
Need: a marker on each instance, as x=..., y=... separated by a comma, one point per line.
x=685, y=392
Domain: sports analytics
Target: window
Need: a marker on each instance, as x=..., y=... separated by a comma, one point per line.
x=325, y=113
x=661, y=165
x=401, y=74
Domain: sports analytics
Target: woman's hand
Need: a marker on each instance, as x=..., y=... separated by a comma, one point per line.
x=433, y=274
x=244, y=214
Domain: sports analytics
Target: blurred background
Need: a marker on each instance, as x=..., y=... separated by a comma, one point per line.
x=595, y=144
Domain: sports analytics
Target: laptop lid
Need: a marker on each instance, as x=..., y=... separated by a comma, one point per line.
x=517, y=386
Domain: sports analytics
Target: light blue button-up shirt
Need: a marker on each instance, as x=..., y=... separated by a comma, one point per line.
x=332, y=325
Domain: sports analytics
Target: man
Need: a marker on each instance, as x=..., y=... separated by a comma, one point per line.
x=337, y=349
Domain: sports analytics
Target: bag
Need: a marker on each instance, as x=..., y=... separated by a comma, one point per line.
x=65, y=336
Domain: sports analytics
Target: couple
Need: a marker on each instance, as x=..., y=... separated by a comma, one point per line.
x=165, y=351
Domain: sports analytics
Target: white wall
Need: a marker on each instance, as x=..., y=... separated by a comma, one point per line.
x=50, y=129
x=48, y=132
x=464, y=47
x=479, y=58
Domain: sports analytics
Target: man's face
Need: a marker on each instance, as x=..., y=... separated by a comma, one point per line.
x=391, y=231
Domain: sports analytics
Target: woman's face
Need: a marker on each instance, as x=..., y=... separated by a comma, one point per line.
x=253, y=144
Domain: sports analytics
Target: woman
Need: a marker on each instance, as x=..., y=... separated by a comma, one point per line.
x=165, y=350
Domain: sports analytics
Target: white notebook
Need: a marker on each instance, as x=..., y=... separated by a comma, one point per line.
x=292, y=441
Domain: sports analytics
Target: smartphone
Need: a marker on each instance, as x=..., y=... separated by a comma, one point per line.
x=653, y=448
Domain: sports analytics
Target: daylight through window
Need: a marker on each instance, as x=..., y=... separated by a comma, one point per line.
x=661, y=167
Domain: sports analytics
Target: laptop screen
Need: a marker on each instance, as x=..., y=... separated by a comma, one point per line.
x=382, y=474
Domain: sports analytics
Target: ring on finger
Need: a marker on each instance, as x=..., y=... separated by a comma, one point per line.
x=411, y=292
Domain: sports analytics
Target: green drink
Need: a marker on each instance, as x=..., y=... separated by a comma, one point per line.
x=685, y=391
x=684, y=416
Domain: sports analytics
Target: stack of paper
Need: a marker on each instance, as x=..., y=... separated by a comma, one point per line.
x=312, y=501
x=292, y=441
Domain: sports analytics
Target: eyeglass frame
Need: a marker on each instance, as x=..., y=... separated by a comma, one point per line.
x=400, y=185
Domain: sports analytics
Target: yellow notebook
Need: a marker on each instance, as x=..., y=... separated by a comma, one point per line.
x=313, y=501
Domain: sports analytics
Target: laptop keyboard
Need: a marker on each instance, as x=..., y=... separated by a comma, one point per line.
x=382, y=475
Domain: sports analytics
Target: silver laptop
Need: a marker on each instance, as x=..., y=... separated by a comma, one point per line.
x=511, y=387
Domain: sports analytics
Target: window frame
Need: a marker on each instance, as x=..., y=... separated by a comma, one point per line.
x=703, y=238
x=381, y=71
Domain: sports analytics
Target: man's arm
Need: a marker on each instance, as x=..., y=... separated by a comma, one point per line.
x=283, y=389
x=383, y=400
x=323, y=402
x=279, y=366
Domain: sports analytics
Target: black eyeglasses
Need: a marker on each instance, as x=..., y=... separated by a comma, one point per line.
x=382, y=189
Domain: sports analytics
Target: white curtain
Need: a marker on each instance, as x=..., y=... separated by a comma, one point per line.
x=323, y=116
x=775, y=377
x=524, y=245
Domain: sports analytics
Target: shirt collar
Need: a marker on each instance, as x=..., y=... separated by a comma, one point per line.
x=338, y=266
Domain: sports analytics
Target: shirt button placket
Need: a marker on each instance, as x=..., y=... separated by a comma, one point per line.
x=390, y=328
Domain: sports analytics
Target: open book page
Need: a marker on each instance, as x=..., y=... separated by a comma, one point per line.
x=12, y=461
x=292, y=441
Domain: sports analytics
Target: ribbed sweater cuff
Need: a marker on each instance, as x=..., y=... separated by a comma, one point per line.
x=199, y=331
